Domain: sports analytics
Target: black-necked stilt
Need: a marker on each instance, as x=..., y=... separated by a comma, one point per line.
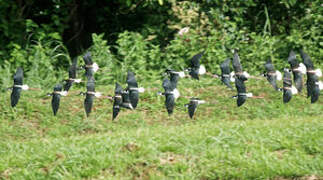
x=298, y=70
x=17, y=86
x=169, y=95
x=313, y=84
x=271, y=74
x=192, y=105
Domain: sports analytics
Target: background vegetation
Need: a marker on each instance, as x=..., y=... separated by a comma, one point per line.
x=143, y=34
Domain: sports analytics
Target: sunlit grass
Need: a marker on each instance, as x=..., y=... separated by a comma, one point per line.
x=262, y=139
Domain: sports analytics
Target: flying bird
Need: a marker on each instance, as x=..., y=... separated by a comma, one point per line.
x=117, y=100
x=169, y=95
x=298, y=69
x=90, y=94
x=90, y=67
x=133, y=89
x=192, y=105
x=271, y=74
x=196, y=68
x=56, y=97
x=17, y=86
x=71, y=76
x=288, y=89
x=313, y=84
x=226, y=77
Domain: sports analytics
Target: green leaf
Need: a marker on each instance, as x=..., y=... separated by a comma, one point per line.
x=161, y=2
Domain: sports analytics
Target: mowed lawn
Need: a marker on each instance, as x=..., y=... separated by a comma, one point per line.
x=263, y=139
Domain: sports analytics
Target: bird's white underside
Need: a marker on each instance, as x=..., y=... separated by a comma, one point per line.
x=320, y=84
x=294, y=90
x=301, y=68
x=279, y=75
x=202, y=69
x=95, y=67
x=176, y=93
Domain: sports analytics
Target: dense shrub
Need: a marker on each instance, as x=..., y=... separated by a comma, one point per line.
x=151, y=43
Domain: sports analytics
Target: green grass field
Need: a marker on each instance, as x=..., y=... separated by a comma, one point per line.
x=263, y=139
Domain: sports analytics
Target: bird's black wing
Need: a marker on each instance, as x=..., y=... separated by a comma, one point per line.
x=15, y=96
x=287, y=84
x=307, y=60
x=133, y=93
x=195, y=61
x=298, y=80
x=192, y=108
x=88, y=59
x=292, y=60
x=71, y=75
x=272, y=79
x=194, y=73
x=18, y=80
x=131, y=80
x=269, y=66
x=56, y=98
x=241, y=89
x=225, y=66
x=88, y=63
x=68, y=84
x=117, y=100
x=167, y=85
x=226, y=81
x=169, y=103
x=236, y=62
x=116, y=105
x=287, y=96
x=118, y=89
x=88, y=102
x=134, y=98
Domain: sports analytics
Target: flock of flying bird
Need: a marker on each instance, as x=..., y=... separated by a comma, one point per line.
x=128, y=98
